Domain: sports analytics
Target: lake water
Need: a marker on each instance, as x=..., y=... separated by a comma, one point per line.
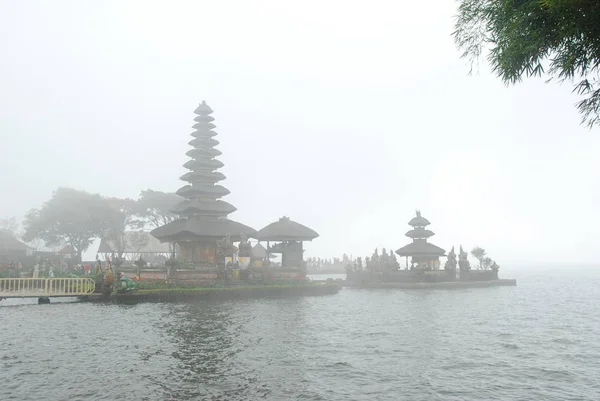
x=537, y=341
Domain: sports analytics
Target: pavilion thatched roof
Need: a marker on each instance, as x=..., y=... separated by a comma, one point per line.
x=286, y=230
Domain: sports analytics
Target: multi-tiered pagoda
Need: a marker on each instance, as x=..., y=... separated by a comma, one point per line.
x=203, y=215
x=423, y=254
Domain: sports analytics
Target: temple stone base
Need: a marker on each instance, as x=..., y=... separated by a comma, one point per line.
x=441, y=285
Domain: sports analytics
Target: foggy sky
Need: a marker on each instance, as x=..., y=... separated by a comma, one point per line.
x=345, y=116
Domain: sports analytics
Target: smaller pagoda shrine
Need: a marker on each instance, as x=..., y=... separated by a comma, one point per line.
x=289, y=236
x=424, y=255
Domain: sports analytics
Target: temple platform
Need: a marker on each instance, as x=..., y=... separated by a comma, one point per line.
x=441, y=285
x=215, y=293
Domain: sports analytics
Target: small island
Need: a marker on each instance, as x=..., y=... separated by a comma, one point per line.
x=210, y=256
x=422, y=266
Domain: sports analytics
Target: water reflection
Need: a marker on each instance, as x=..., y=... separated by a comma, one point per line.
x=236, y=350
x=495, y=344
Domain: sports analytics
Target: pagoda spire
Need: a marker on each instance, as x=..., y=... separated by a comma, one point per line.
x=203, y=192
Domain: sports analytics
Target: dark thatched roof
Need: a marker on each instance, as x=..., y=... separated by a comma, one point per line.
x=419, y=233
x=195, y=164
x=9, y=243
x=193, y=206
x=205, y=118
x=67, y=250
x=421, y=248
x=212, y=176
x=259, y=251
x=197, y=153
x=286, y=230
x=190, y=191
x=419, y=221
x=203, y=109
x=192, y=228
x=204, y=125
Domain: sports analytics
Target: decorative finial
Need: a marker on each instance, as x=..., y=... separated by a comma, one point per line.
x=418, y=213
x=203, y=109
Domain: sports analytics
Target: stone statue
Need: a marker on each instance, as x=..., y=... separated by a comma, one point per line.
x=451, y=262
x=495, y=268
x=394, y=261
x=245, y=249
x=375, y=262
x=224, y=249
x=463, y=263
x=384, y=262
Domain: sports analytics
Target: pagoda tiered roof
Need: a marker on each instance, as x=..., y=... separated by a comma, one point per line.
x=202, y=212
x=419, y=234
x=192, y=228
x=420, y=248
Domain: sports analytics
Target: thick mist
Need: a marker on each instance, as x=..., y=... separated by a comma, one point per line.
x=344, y=117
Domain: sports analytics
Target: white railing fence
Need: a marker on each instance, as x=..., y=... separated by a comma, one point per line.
x=45, y=287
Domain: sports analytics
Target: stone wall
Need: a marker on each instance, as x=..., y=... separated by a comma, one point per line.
x=402, y=276
x=480, y=275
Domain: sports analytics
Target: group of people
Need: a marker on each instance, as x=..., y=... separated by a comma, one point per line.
x=49, y=269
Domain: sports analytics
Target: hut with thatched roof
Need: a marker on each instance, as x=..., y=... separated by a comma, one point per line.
x=133, y=245
x=11, y=249
x=290, y=237
x=423, y=254
x=203, y=215
x=260, y=256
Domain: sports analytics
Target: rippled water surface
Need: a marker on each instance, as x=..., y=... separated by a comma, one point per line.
x=537, y=341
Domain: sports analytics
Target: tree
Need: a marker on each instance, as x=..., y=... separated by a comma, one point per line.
x=394, y=261
x=70, y=216
x=556, y=38
x=479, y=254
x=154, y=207
x=10, y=225
x=122, y=219
x=486, y=263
